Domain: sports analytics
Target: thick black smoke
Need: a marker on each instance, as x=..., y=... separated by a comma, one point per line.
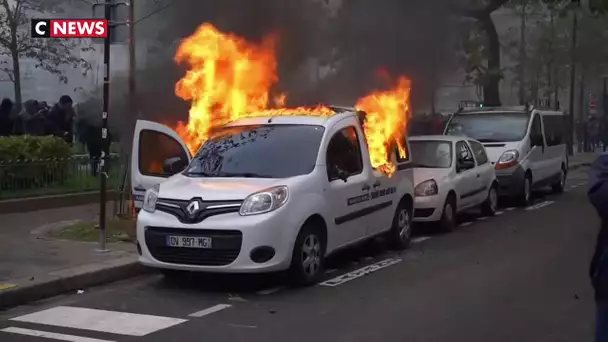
x=409, y=37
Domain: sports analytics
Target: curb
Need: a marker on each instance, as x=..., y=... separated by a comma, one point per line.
x=578, y=165
x=21, y=205
x=72, y=280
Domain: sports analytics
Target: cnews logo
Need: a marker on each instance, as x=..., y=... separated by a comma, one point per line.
x=69, y=28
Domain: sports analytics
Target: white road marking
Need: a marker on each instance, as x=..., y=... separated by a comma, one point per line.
x=210, y=310
x=50, y=335
x=270, y=290
x=574, y=186
x=498, y=213
x=510, y=209
x=465, y=224
x=113, y=322
x=420, y=239
x=540, y=205
x=482, y=218
x=360, y=272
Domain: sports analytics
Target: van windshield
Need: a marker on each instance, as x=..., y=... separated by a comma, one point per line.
x=490, y=127
x=267, y=151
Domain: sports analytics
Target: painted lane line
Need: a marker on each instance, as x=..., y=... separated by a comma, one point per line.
x=483, y=218
x=510, y=209
x=540, y=205
x=50, y=335
x=498, y=213
x=465, y=224
x=210, y=310
x=121, y=323
x=420, y=239
x=270, y=290
x=360, y=272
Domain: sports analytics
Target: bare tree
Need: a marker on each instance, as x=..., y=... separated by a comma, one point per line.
x=16, y=43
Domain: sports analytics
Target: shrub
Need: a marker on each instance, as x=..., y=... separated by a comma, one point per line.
x=31, y=161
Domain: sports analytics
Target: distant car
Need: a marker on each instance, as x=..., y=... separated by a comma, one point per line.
x=527, y=146
x=451, y=174
x=264, y=195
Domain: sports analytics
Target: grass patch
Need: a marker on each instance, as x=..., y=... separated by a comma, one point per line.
x=117, y=230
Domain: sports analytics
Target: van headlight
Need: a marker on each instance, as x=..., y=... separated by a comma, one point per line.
x=507, y=160
x=150, y=199
x=264, y=201
x=426, y=188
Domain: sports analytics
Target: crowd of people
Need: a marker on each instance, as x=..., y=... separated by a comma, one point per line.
x=37, y=118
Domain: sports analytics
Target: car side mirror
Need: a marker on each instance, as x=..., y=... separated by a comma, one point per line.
x=465, y=164
x=174, y=165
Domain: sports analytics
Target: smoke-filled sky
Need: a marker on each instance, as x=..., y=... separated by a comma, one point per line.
x=410, y=37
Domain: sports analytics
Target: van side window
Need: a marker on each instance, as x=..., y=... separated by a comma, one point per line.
x=479, y=151
x=554, y=129
x=398, y=156
x=151, y=160
x=344, y=154
x=536, y=128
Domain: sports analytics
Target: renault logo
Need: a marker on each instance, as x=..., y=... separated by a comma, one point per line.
x=192, y=208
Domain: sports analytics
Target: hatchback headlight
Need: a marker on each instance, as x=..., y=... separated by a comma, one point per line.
x=150, y=199
x=426, y=188
x=264, y=201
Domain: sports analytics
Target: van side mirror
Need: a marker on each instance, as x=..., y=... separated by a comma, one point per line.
x=340, y=174
x=536, y=140
x=174, y=165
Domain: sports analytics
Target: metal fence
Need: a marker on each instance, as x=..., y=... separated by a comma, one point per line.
x=30, y=178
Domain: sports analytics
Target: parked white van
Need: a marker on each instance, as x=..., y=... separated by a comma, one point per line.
x=527, y=146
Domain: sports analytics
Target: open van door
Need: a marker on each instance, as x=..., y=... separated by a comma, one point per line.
x=157, y=154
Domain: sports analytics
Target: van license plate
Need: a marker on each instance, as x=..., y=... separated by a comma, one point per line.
x=188, y=241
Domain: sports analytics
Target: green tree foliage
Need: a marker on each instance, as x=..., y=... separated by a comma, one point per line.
x=52, y=55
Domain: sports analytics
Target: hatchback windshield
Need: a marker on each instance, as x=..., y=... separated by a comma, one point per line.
x=270, y=151
x=491, y=127
x=431, y=154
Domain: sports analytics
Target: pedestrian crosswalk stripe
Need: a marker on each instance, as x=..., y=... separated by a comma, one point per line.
x=50, y=335
x=210, y=310
x=121, y=323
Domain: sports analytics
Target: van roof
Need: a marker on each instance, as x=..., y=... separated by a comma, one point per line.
x=295, y=119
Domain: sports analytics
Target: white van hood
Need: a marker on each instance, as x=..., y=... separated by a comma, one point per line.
x=215, y=189
x=496, y=149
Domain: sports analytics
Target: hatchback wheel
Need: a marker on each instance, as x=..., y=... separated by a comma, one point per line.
x=448, y=217
x=307, y=262
x=490, y=205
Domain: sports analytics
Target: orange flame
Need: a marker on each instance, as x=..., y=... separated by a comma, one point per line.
x=229, y=79
x=386, y=123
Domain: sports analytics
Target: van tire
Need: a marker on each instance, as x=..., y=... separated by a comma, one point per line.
x=310, y=244
x=448, y=215
x=524, y=198
x=490, y=205
x=400, y=235
x=560, y=185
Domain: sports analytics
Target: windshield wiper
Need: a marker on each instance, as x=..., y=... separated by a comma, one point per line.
x=488, y=140
x=198, y=173
x=243, y=174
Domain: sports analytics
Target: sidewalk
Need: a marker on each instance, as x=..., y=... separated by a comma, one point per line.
x=34, y=266
x=582, y=159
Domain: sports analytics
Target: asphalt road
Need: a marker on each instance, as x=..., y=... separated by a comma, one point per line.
x=520, y=276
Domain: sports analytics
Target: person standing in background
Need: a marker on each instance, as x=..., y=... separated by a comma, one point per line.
x=61, y=119
x=6, y=120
